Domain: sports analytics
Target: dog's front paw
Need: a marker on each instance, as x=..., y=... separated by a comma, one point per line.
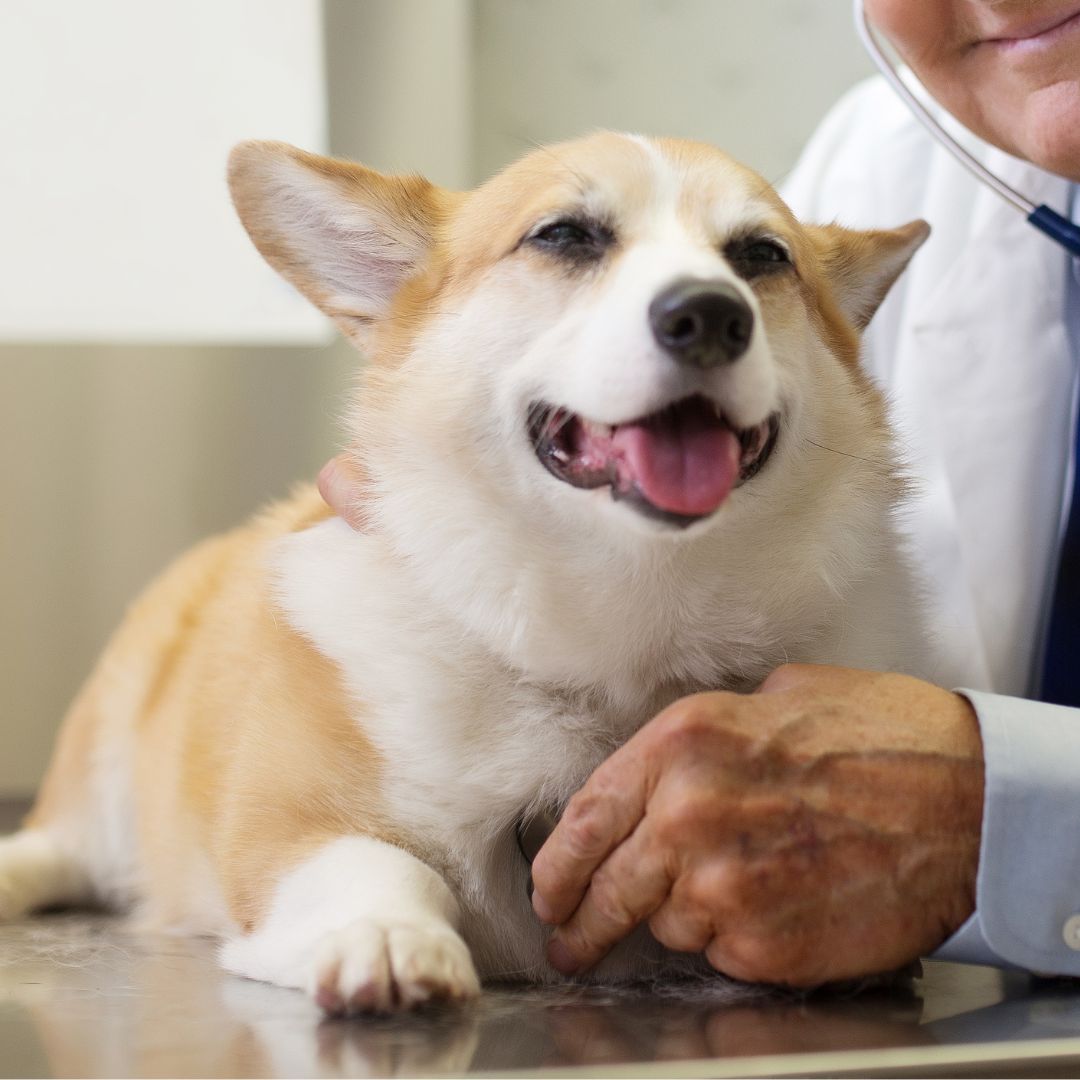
x=385, y=967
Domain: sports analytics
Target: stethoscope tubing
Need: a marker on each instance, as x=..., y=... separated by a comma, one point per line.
x=1046, y=220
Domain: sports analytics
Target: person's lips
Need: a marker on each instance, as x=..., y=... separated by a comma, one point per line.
x=1036, y=33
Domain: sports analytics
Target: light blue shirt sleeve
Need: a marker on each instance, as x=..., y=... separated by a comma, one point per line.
x=1027, y=902
x=1027, y=899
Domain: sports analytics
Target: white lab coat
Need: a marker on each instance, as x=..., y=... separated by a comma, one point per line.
x=972, y=347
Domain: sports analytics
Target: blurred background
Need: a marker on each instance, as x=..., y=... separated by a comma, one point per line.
x=156, y=382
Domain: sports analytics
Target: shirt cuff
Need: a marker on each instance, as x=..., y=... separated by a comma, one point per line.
x=1027, y=894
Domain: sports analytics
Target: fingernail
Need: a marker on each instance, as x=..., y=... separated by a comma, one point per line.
x=561, y=958
x=542, y=908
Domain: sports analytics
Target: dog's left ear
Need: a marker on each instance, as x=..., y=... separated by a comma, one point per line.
x=346, y=236
x=862, y=266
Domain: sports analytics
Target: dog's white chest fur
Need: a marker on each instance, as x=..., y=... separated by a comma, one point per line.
x=466, y=741
x=469, y=743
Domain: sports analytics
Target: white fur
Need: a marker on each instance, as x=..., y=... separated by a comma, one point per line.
x=364, y=922
x=106, y=844
x=35, y=871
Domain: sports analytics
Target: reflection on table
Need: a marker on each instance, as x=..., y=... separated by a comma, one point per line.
x=80, y=995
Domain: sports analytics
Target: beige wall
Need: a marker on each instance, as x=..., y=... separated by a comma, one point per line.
x=753, y=76
x=113, y=459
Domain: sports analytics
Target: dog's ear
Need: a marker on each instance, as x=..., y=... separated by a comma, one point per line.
x=862, y=266
x=346, y=236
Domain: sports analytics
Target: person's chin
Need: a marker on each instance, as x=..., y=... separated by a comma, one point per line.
x=1031, y=115
x=1051, y=128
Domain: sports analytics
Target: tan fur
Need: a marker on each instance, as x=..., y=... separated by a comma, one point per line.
x=864, y=266
x=248, y=753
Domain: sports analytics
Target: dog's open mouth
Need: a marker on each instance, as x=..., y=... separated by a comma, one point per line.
x=678, y=464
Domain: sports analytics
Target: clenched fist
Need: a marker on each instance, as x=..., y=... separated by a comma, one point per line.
x=825, y=827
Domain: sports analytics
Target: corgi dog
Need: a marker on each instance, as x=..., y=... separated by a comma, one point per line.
x=618, y=449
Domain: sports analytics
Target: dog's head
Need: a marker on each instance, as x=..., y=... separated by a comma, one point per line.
x=619, y=339
x=631, y=313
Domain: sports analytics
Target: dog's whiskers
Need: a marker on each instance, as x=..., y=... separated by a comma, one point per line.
x=542, y=416
x=556, y=427
x=854, y=457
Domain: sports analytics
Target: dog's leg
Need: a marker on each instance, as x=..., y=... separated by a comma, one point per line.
x=36, y=871
x=362, y=926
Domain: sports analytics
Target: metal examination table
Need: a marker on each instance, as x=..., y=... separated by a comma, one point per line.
x=82, y=996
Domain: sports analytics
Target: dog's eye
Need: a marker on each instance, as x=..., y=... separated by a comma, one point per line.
x=765, y=251
x=757, y=256
x=574, y=240
x=563, y=234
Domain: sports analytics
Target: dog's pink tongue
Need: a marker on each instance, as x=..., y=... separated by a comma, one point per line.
x=685, y=464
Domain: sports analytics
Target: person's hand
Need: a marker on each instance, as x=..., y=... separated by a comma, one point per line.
x=824, y=828
x=341, y=484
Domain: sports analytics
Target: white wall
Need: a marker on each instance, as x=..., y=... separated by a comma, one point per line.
x=114, y=458
x=117, y=117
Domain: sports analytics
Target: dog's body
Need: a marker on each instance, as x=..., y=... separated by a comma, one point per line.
x=317, y=743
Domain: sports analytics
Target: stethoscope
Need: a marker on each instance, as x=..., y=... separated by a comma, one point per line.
x=1050, y=222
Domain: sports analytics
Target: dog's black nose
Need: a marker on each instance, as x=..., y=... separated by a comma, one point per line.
x=703, y=323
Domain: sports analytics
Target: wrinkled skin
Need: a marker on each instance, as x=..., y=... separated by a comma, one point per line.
x=824, y=828
x=985, y=62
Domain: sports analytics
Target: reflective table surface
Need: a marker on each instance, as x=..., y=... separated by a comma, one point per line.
x=81, y=995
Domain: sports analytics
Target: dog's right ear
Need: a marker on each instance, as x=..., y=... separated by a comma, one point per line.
x=346, y=236
x=863, y=266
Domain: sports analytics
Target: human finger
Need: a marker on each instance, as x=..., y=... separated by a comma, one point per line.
x=681, y=926
x=597, y=819
x=341, y=484
x=624, y=891
x=794, y=677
